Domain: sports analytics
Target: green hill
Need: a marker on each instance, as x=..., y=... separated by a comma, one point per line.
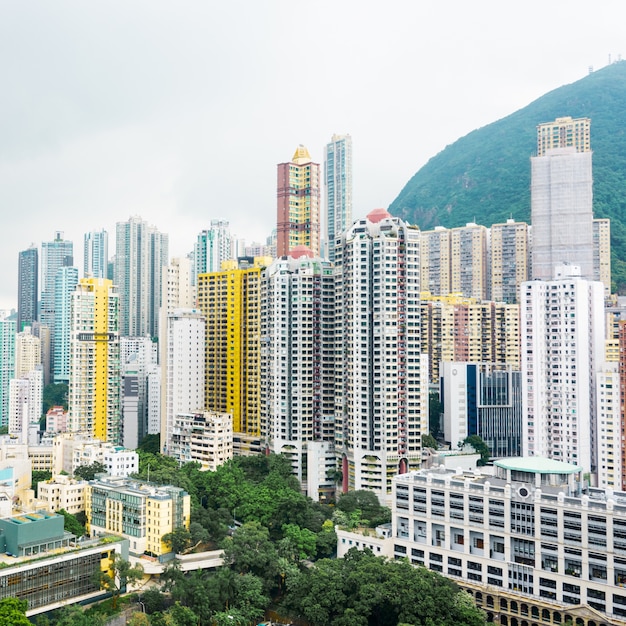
x=485, y=176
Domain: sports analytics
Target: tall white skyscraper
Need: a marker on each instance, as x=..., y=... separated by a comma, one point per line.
x=7, y=366
x=27, y=352
x=25, y=401
x=184, y=367
x=561, y=198
x=213, y=246
x=382, y=390
x=562, y=334
x=54, y=255
x=64, y=286
x=338, y=183
x=96, y=254
x=298, y=365
x=141, y=254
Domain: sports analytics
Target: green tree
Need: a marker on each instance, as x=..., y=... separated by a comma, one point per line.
x=250, y=550
x=367, y=503
x=151, y=443
x=120, y=574
x=74, y=615
x=71, y=524
x=428, y=441
x=179, y=615
x=299, y=542
x=39, y=476
x=178, y=540
x=153, y=600
x=54, y=394
x=326, y=540
x=88, y=472
x=435, y=409
x=480, y=446
x=13, y=612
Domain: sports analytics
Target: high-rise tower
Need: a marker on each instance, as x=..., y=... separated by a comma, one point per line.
x=94, y=387
x=298, y=214
x=96, y=254
x=65, y=284
x=381, y=408
x=7, y=366
x=141, y=254
x=27, y=287
x=561, y=198
x=509, y=260
x=338, y=182
x=563, y=339
x=54, y=255
x=231, y=303
x=213, y=246
x=298, y=366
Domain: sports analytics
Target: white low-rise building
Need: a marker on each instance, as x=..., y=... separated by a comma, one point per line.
x=62, y=492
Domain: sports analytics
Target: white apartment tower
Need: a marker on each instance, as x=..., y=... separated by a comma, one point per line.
x=96, y=254
x=561, y=198
x=298, y=361
x=213, y=246
x=338, y=184
x=64, y=286
x=382, y=390
x=141, y=255
x=25, y=399
x=562, y=338
x=27, y=352
x=184, y=368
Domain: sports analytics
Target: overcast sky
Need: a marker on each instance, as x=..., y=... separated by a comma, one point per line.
x=179, y=111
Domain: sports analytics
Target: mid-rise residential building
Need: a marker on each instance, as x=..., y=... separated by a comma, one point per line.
x=141, y=512
x=298, y=206
x=94, y=386
x=338, y=184
x=231, y=303
x=27, y=287
x=483, y=399
x=96, y=254
x=510, y=257
x=7, y=366
x=562, y=198
x=185, y=383
x=56, y=420
x=298, y=362
x=62, y=492
x=64, y=286
x=469, y=261
x=213, y=246
x=27, y=352
x=531, y=542
x=562, y=350
x=141, y=254
x=43, y=334
x=381, y=407
x=205, y=438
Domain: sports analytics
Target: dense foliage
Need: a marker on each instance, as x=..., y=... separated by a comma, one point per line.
x=485, y=176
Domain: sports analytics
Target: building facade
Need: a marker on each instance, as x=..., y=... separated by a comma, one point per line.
x=64, y=286
x=184, y=369
x=562, y=198
x=94, y=385
x=338, y=184
x=96, y=254
x=141, y=254
x=213, y=246
x=510, y=257
x=381, y=409
x=298, y=362
x=526, y=542
x=27, y=287
x=7, y=366
x=563, y=342
x=298, y=210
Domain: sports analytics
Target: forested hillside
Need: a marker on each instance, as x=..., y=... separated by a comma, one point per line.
x=485, y=176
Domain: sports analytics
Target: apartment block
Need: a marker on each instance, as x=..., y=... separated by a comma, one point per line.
x=469, y=261
x=510, y=259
